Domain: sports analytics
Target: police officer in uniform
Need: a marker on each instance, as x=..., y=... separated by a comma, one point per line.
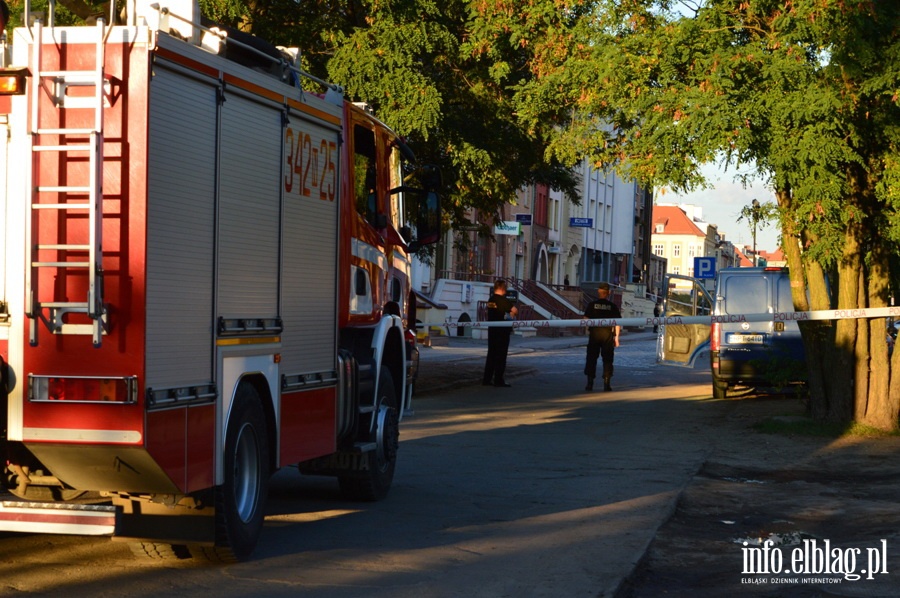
x=499, y=308
x=603, y=340
x=657, y=311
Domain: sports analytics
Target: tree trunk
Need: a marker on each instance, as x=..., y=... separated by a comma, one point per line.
x=841, y=368
x=879, y=408
x=894, y=395
x=861, y=376
x=818, y=340
x=807, y=282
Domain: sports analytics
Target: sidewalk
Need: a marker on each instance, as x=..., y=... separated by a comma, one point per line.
x=460, y=348
x=810, y=496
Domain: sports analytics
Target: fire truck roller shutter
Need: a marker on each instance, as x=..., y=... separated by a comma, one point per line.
x=180, y=240
x=249, y=208
x=309, y=271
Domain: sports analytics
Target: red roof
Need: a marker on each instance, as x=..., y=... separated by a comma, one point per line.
x=773, y=256
x=743, y=261
x=674, y=221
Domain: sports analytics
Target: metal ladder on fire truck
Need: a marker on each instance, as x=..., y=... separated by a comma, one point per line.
x=70, y=201
x=62, y=517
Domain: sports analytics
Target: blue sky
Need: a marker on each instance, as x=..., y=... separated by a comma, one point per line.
x=722, y=205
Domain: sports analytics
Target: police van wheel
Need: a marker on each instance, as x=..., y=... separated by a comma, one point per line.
x=240, y=500
x=375, y=480
x=720, y=388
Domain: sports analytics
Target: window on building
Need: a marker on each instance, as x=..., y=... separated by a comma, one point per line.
x=676, y=250
x=692, y=250
x=541, y=200
x=676, y=270
x=658, y=249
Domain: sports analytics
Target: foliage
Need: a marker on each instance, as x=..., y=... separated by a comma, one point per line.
x=783, y=374
x=759, y=216
x=67, y=12
x=411, y=61
x=805, y=91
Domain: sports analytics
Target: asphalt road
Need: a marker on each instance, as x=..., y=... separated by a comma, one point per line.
x=540, y=489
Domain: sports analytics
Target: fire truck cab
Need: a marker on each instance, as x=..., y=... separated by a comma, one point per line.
x=205, y=277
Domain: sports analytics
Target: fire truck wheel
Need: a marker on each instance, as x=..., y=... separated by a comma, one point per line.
x=158, y=551
x=240, y=501
x=374, y=482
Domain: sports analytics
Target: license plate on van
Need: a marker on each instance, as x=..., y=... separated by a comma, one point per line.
x=746, y=339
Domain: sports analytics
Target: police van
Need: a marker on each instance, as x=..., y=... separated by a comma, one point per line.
x=743, y=353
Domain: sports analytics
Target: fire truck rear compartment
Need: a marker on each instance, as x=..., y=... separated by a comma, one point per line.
x=105, y=468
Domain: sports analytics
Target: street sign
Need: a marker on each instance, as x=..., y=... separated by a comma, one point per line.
x=508, y=227
x=581, y=222
x=704, y=267
x=524, y=219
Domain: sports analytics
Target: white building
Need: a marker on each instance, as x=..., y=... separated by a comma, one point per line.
x=606, y=216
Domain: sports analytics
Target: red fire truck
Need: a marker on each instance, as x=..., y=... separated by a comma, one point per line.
x=205, y=277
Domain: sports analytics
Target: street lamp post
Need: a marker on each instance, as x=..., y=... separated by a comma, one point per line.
x=754, y=216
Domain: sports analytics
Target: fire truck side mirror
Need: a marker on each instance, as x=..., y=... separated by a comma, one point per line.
x=422, y=224
x=431, y=177
x=428, y=223
x=423, y=218
x=406, y=233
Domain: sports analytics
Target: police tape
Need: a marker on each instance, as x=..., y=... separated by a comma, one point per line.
x=778, y=316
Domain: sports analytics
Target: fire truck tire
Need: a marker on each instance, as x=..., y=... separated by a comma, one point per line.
x=375, y=482
x=240, y=500
x=157, y=551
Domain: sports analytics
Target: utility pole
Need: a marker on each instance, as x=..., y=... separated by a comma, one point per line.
x=754, y=216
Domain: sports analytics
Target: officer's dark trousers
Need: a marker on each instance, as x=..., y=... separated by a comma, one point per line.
x=606, y=349
x=498, y=347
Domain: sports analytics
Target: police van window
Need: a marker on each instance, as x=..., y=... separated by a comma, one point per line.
x=365, y=173
x=746, y=295
x=785, y=299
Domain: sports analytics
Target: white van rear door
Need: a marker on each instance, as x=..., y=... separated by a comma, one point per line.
x=681, y=344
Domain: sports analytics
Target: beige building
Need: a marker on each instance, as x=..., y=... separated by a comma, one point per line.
x=679, y=239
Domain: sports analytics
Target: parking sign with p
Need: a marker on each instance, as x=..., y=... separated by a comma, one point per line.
x=704, y=267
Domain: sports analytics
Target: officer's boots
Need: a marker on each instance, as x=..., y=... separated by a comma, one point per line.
x=590, y=384
x=607, y=376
